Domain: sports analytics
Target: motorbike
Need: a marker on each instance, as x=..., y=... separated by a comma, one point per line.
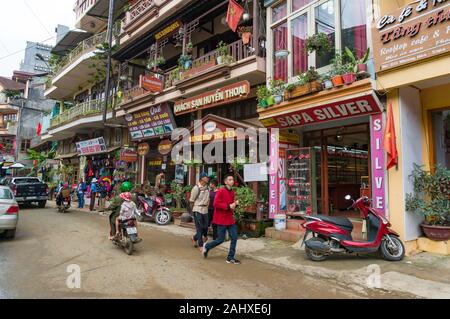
x=333, y=235
x=153, y=208
x=64, y=204
x=128, y=236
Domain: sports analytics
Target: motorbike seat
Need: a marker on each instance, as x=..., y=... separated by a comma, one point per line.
x=338, y=221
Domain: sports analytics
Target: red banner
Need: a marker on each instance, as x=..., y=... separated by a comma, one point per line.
x=234, y=14
x=150, y=83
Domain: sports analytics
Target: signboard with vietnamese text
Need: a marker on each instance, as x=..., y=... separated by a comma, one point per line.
x=94, y=146
x=150, y=83
x=415, y=32
x=154, y=122
x=224, y=95
x=168, y=31
x=359, y=106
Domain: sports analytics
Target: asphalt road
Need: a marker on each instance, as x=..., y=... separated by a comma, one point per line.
x=49, y=246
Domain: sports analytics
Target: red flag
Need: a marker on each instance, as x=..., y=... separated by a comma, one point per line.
x=234, y=14
x=39, y=129
x=390, y=145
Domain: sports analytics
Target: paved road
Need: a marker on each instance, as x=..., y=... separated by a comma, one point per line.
x=34, y=265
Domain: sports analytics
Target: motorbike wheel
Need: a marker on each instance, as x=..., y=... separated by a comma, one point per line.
x=163, y=217
x=315, y=255
x=128, y=246
x=392, y=250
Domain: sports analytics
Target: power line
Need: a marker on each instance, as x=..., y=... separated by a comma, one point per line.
x=37, y=18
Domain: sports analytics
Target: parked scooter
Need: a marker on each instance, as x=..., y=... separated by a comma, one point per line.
x=153, y=208
x=332, y=235
x=128, y=236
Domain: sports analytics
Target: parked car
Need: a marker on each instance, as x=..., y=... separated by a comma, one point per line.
x=9, y=212
x=28, y=190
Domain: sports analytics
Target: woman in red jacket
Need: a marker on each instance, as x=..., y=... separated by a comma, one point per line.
x=224, y=206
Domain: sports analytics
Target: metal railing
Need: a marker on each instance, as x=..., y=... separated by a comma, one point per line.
x=141, y=8
x=82, y=48
x=83, y=6
x=89, y=108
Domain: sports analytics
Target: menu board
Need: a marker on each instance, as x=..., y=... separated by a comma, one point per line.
x=153, y=122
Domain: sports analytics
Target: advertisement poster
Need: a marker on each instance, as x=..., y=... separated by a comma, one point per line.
x=96, y=145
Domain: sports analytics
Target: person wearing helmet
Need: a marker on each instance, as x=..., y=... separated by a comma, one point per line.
x=127, y=210
x=114, y=207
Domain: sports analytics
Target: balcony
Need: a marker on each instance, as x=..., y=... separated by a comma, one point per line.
x=84, y=21
x=85, y=109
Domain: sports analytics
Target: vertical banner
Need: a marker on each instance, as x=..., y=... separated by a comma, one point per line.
x=273, y=172
x=378, y=165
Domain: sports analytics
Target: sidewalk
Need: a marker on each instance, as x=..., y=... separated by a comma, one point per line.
x=422, y=276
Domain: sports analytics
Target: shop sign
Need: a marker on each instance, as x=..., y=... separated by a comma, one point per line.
x=94, y=146
x=225, y=95
x=169, y=30
x=274, y=150
x=150, y=83
x=415, y=32
x=143, y=149
x=378, y=166
x=215, y=131
x=289, y=138
x=165, y=147
x=128, y=156
x=153, y=122
x=365, y=105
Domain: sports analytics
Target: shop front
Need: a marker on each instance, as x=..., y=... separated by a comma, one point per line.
x=324, y=147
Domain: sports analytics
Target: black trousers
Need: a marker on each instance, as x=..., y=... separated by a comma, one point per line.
x=214, y=227
x=201, y=225
x=92, y=203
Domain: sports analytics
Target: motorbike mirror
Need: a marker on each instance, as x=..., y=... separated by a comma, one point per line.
x=348, y=197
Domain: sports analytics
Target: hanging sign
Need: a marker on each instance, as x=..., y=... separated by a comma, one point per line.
x=153, y=122
x=414, y=32
x=143, y=149
x=378, y=166
x=165, y=147
x=228, y=94
x=96, y=145
x=128, y=156
x=150, y=83
x=168, y=31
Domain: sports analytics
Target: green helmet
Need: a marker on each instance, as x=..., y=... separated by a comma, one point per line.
x=126, y=187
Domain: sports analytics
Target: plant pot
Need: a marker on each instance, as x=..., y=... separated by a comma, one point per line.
x=328, y=84
x=263, y=103
x=438, y=233
x=270, y=100
x=219, y=59
x=187, y=65
x=337, y=80
x=349, y=78
x=362, y=68
x=305, y=89
x=278, y=99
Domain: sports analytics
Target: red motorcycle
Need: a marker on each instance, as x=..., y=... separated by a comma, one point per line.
x=332, y=235
x=153, y=208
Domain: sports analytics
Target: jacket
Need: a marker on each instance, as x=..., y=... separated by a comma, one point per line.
x=223, y=215
x=200, y=198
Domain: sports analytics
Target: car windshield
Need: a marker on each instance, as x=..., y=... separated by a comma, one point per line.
x=5, y=194
x=26, y=180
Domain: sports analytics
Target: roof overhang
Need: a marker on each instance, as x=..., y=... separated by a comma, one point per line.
x=70, y=41
x=101, y=8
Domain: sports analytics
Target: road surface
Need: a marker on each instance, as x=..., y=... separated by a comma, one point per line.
x=48, y=245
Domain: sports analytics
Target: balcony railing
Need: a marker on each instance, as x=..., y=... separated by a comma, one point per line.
x=83, y=6
x=82, y=48
x=140, y=9
x=88, y=108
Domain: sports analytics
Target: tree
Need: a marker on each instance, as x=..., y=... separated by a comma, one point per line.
x=11, y=94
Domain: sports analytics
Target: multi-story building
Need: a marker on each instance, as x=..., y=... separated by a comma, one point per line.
x=36, y=58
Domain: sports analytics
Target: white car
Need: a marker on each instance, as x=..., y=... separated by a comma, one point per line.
x=9, y=213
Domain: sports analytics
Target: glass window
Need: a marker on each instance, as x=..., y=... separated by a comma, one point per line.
x=280, y=43
x=279, y=11
x=5, y=194
x=353, y=30
x=298, y=4
x=299, y=32
x=325, y=22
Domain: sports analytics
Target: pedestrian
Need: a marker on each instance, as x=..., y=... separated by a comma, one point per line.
x=94, y=189
x=81, y=189
x=160, y=182
x=103, y=193
x=199, y=202
x=213, y=188
x=224, y=207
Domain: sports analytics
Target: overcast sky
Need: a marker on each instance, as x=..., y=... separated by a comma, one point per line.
x=29, y=20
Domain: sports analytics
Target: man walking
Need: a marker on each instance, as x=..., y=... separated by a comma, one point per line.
x=213, y=188
x=93, y=194
x=224, y=206
x=81, y=189
x=199, y=202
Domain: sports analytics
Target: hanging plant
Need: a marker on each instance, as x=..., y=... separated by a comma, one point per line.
x=319, y=43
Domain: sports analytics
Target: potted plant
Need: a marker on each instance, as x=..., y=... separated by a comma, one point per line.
x=307, y=82
x=185, y=61
x=222, y=52
x=277, y=90
x=431, y=199
x=189, y=47
x=326, y=80
x=262, y=93
x=337, y=71
x=319, y=43
x=349, y=75
x=247, y=199
x=360, y=64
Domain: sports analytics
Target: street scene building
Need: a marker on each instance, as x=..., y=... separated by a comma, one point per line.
x=321, y=125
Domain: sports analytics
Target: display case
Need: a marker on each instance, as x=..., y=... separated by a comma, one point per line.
x=301, y=181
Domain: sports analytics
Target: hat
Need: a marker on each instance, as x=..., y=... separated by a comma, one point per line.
x=126, y=196
x=94, y=180
x=203, y=175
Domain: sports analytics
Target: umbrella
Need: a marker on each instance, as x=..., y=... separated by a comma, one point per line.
x=17, y=165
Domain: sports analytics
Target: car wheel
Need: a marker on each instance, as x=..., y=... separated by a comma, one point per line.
x=10, y=233
x=42, y=204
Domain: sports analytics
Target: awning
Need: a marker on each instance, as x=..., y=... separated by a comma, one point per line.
x=66, y=156
x=70, y=41
x=108, y=150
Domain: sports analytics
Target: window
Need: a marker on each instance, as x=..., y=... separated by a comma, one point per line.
x=10, y=118
x=24, y=145
x=344, y=21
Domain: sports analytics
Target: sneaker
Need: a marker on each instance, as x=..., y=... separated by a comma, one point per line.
x=194, y=242
x=205, y=251
x=233, y=261
x=205, y=239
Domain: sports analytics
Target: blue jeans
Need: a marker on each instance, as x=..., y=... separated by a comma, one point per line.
x=221, y=231
x=80, y=200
